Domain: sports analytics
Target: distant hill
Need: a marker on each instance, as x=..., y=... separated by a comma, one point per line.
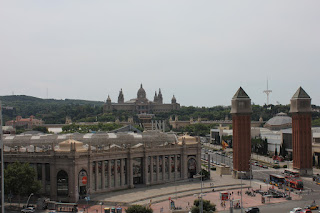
x=12, y=99
x=50, y=110
x=53, y=111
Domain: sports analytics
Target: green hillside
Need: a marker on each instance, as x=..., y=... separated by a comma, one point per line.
x=55, y=111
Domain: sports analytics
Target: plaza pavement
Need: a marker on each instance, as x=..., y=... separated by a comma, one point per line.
x=182, y=193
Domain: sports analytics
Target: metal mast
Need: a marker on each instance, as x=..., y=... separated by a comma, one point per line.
x=268, y=91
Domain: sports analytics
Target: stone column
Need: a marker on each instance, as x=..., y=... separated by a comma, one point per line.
x=198, y=158
x=96, y=176
x=53, y=181
x=163, y=168
x=151, y=169
x=43, y=181
x=109, y=174
x=116, y=173
x=103, y=184
x=130, y=169
x=184, y=161
x=169, y=162
x=145, y=169
x=157, y=169
x=122, y=172
x=176, y=167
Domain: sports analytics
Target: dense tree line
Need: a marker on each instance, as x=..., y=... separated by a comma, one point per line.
x=55, y=111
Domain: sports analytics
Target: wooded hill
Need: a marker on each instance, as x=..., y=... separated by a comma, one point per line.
x=55, y=111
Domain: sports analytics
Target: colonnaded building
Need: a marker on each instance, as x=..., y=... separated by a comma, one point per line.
x=141, y=104
x=72, y=166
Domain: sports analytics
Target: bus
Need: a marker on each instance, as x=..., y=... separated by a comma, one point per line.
x=294, y=183
x=62, y=207
x=277, y=180
x=291, y=173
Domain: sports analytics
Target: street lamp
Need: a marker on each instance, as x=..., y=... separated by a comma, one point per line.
x=101, y=203
x=241, y=172
x=29, y=199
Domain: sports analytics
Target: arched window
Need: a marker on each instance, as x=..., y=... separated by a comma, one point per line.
x=62, y=183
x=192, y=167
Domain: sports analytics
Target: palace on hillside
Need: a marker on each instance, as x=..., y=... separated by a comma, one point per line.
x=141, y=105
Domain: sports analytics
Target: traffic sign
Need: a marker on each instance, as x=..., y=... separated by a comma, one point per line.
x=84, y=180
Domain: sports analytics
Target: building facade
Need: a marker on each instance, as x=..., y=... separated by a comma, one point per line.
x=73, y=166
x=141, y=104
x=27, y=123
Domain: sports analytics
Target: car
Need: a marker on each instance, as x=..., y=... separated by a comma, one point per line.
x=296, y=210
x=312, y=207
x=276, y=161
x=256, y=164
x=29, y=209
x=260, y=165
x=252, y=210
x=307, y=211
x=265, y=167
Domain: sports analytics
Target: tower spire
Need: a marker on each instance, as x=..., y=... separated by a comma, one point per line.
x=267, y=92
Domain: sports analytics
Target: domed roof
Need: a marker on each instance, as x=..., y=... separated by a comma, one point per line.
x=65, y=146
x=280, y=120
x=141, y=93
x=187, y=139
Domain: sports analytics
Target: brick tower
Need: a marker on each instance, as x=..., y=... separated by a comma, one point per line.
x=301, y=132
x=241, y=123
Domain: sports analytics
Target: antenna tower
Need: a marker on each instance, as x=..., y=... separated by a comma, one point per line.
x=268, y=91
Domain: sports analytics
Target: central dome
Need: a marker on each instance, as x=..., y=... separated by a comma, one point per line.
x=280, y=121
x=141, y=93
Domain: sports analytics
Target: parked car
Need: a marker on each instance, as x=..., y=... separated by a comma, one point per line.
x=307, y=211
x=29, y=209
x=252, y=210
x=296, y=210
x=265, y=167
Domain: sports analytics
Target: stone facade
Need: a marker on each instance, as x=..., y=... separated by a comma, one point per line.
x=27, y=123
x=70, y=169
x=141, y=104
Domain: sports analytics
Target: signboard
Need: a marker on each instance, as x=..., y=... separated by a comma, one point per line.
x=83, y=178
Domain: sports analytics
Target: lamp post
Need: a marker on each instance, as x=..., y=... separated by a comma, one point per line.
x=201, y=204
x=241, y=172
x=29, y=199
x=101, y=203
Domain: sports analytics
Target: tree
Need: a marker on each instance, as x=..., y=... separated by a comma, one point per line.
x=41, y=129
x=207, y=206
x=20, y=180
x=138, y=209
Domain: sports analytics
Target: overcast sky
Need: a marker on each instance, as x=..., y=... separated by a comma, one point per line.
x=200, y=51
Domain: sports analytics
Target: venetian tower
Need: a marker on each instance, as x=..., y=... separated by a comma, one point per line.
x=241, y=122
x=300, y=108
